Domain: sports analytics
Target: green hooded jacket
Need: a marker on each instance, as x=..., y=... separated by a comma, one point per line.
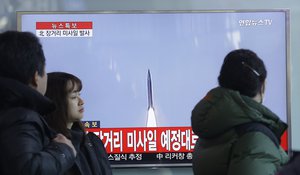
x=220, y=150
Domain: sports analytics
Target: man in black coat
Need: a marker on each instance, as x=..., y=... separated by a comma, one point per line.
x=27, y=144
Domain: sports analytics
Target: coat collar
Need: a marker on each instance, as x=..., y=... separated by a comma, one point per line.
x=16, y=94
x=222, y=109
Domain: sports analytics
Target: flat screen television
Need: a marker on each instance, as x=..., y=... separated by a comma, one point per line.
x=144, y=71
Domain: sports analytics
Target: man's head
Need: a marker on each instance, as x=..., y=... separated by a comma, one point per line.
x=22, y=59
x=243, y=71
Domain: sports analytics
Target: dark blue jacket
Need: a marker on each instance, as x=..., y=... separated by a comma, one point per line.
x=91, y=157
x=25, y=138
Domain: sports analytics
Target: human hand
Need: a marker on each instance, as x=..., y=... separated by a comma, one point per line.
x=62, y=139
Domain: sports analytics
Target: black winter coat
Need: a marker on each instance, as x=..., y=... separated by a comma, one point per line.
x=91, y=157
x=25, y=138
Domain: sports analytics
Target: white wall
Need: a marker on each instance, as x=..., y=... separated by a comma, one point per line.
x=8, y=21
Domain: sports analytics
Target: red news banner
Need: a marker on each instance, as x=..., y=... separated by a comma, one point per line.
x=157, y=145
x=64, y=29
x=151, y=140
x=147, y=140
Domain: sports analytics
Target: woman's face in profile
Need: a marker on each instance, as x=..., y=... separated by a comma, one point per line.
x=75, y=104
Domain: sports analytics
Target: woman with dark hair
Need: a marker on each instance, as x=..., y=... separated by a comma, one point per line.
x=238, y=135
x=64, y=90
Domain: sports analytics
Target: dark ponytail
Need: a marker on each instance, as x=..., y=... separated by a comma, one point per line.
x=243, y=71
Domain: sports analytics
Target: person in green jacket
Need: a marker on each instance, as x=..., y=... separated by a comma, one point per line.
x=225, y=146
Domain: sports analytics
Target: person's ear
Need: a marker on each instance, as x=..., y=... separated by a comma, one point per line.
x=34, y=80
x=262, y=92
x=263, y=87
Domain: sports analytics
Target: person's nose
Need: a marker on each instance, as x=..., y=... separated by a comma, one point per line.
x=80, y=102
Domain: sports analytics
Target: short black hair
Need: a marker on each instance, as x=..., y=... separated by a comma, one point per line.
x=21, y=55
x=243, y=71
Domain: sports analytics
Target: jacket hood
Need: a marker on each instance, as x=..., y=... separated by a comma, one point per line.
x=222, y=109
x=16, y=94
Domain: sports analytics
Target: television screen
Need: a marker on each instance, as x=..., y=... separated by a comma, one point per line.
x=144, y=71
